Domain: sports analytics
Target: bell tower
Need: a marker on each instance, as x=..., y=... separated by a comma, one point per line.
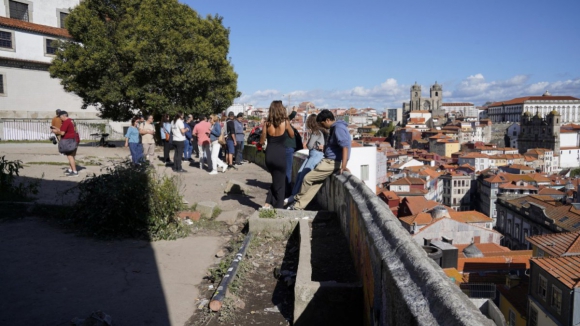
x=415, y=97
x=436, y=96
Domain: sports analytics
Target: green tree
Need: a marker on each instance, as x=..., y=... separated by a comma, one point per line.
x=378, y=122
x=152, y=56
x=386, y=131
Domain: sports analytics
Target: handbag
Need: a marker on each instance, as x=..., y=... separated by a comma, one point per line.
x=222, y=137
x=67, y=145
x=167, y=135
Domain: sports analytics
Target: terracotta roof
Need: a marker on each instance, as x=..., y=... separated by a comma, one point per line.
x=474, y=155
x=521, y=100
x=418, y=204
x=564, y=216
x=389, y=194
x=506, y=262
x=565, y=269
x=520, y=167
x=550, y=191
x=408, y=181
x=557, y=244
x=43, y=29
x=484, y=248
x=416, y=121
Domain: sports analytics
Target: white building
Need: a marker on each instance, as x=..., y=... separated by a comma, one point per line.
x=28, y=96
x=396, y=115
x=512, y=110
x=569, y=147
x=363, y=165
x=245, y=109
x=513, y=132
x=461, y=110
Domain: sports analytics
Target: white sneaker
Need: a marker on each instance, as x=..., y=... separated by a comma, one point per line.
x=214, y=172
x=224, y=168
x=288, y=200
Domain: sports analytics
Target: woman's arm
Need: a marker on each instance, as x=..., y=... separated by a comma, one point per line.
x=289, y=129
x=263, y=135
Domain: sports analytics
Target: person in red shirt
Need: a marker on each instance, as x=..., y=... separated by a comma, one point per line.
x=67, y=131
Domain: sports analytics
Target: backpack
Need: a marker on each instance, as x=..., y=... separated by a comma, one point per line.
x=222, y=137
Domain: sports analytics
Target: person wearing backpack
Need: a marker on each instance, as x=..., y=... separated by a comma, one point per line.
x=214, y=135
x=166, y=137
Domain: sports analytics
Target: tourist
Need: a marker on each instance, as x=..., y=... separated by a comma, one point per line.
x=216, y=131
x=290, y=145
x=336, y=155
x=276, y=130
x=178, y=133
x=201, y=131
x=132, y=141
x=194, y=147
x=166, y=137
x=315, y=145
x=69, y=134
x=231, y=141
x=223, y=150
x=56, y=123
x=239, y=130
x=187, y=146
x=147, y=131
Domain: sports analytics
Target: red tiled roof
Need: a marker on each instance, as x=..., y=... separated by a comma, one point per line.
x=557, y=244
x=418, y=204
x=484, y=247
x=565, y=216
x=565, y=269
x=521, y=100
x=43, y=29
x=550, y=191
x=506, y=262
x=408, y=181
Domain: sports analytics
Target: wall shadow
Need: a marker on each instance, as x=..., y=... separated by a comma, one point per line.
x=51, y=274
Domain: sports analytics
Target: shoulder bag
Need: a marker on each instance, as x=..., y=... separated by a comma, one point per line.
x=222, y=137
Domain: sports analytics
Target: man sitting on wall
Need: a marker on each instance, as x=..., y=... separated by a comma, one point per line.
x=336, y=155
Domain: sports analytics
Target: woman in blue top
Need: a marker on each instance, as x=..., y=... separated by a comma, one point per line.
x=214, y=134
x=166, y=129
x=132, y=141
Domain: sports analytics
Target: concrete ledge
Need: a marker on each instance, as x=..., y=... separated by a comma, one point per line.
x=322, y=303
x=284, y=223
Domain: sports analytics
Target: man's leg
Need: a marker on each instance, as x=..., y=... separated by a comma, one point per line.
x=314, y=180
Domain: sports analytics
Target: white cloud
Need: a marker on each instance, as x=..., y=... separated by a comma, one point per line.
x=390, y=93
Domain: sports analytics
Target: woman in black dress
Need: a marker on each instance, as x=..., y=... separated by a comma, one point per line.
x=275, y=130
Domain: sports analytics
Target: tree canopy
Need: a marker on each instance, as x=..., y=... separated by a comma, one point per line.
x=148, y=56
x=386, y=131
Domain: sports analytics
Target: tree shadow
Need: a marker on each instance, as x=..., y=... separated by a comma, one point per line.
x=51, y=273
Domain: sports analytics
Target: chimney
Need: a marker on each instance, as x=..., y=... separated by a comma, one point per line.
x=426, y=242
x=476, y=239
x=447, y=240
x=511, y=281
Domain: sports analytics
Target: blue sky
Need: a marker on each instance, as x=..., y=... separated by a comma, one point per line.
x=368, y=53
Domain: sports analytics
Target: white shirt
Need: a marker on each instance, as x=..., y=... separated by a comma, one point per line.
x=176, y=130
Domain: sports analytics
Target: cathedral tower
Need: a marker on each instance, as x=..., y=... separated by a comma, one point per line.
x=415, y=97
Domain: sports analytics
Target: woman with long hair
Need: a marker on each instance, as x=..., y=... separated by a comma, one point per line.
x=216, y=131
x=178, y=132
x=166, y=129
x=315, y=145
x=276, y=129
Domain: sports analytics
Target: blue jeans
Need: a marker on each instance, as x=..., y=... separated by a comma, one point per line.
x=289, y=159
x=136, y=152
x=187, y=148
x=314, y=157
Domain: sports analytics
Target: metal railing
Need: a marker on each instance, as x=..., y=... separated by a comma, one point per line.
x=40, y=130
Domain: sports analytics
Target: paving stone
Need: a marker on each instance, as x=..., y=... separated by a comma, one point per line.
x=206, y=208
x=229, y=217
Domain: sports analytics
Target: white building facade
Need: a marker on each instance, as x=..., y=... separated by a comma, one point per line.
x=512, y=110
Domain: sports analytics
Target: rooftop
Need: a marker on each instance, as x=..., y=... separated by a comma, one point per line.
x=565, y=269
x=557, y=244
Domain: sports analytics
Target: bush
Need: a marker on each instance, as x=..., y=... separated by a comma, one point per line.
x=9, y=190
x=130, y=201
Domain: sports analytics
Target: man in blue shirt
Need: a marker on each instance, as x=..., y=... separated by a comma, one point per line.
x=336, y=155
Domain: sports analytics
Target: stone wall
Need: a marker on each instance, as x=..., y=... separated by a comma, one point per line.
x=401, y=285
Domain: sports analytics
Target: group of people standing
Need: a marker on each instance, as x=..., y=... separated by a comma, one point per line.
x=187, y=136
x=329, y=144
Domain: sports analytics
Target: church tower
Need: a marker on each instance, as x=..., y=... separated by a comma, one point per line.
x=554, y=120
x=436, y=97
x=415, y=97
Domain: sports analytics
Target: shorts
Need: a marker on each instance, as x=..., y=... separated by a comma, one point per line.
x=149, y=149
x=231, y=147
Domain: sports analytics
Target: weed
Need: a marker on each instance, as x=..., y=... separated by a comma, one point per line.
x=129, y=201
x=9, y=190
x=267, y=213
x=216, y=212
x=194, y=206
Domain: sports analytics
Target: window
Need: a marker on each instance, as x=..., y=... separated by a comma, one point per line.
x=556, y=302
x=512, y=318
x=533, y=317
x=6, y=41
x=50, y=46
x=2, y=82
x=18, y=10
x=542, y=286
x=364, y=172
x=62, y=16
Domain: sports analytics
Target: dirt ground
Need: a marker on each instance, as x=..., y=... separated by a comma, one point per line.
x=50, y=275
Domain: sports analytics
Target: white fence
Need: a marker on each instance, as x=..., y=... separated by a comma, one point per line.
x=40, y=130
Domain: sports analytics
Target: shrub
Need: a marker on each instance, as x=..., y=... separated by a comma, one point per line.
x=9, y=190
x=130, y=201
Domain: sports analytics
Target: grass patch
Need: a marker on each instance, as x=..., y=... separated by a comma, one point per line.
x=216, y=212
x=48, y=163
x=78, y=162
x=267, y=213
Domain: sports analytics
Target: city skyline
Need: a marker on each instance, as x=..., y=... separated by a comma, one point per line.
x=369, y=54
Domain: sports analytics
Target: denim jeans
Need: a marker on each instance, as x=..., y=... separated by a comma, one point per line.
x=239, y=152
x=187, y=148
x=314, y=157
x=136, y=150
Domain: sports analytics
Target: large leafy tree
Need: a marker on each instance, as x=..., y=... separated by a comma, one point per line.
x=152, y=56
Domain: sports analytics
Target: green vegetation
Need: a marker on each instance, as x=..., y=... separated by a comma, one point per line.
x=216, y=212
x=385, y=131
x=147, y=55
x=10, y=190
x=129, y=201
x=267, y=213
